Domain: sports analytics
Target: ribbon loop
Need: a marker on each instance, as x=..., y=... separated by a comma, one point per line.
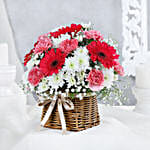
x=61, y=102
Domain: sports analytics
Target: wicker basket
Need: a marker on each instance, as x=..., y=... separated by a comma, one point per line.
x=85, y=115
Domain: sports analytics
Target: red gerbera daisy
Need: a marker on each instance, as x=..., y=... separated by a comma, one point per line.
x=52, y=62
x=103, y=52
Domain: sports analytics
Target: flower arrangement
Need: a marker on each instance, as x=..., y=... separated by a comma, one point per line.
x=72, y=60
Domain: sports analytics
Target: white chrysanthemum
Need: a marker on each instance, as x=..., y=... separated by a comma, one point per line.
x=82, y=58
x=42, y=87
x=57, y=41
x=79, y=37
x=70, y=65
x=81, y=76
x=56, y=80
x=81, y=51
x=108, y=78
x=82, y=62
x=71, y=80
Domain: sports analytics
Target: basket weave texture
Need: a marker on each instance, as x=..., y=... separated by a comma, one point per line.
x=85, y=115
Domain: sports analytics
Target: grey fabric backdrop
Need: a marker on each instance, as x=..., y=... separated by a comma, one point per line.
x=30, y=18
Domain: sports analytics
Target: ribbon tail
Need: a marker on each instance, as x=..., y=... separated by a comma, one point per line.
x=61, y=115
x=48, y=113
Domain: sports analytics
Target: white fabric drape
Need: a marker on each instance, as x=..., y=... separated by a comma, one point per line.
x=6, y=36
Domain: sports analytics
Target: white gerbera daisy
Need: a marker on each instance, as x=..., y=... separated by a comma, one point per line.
x=56, y=80
x=108, y=78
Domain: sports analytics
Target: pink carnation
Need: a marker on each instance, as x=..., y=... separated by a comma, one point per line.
x=43, y=44
x=119, y=69
x=93, y=34
x=96, y=79
x=35, y=75
x=44, y=38
x=67, y=46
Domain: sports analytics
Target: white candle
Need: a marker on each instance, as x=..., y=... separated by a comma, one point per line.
x=4, y=54
x=143, y=76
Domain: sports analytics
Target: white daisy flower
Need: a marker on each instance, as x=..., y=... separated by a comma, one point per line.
x=45, y=80
x=108, y=78
x=82, y=62
x=81, y=76
x=70, y=65
x=80, y=37
x=81, y=51
x=56, y=80
x=42, y=87
x=71, y=81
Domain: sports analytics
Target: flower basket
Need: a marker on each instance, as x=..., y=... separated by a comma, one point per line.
x=84, y=115
x=65, y=69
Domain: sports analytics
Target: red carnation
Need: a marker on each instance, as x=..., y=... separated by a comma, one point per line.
x=103, y=52
x=52, y=62
x=73, y=28
x=35, y=75
x=28, y=57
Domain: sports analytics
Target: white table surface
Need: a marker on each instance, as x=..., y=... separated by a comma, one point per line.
x=120, y=129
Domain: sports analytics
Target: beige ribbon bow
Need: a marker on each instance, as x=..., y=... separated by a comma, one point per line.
x=61, y=102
